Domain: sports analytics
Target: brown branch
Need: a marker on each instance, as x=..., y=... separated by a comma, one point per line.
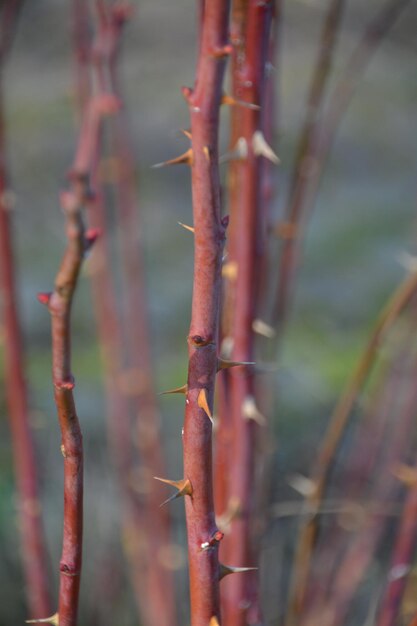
x=59, y=305
x=333, y=436
x=247, y=249
x=209, y=235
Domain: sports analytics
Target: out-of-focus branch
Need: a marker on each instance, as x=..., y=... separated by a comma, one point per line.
x=33, y=548
x=333, y=436
x=321, y=135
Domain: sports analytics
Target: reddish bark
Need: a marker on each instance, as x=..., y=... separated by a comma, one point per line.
x=59, y=304
x=247, y=247
x=209, y=235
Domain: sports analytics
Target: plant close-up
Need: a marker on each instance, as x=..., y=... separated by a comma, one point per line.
x=208, y=361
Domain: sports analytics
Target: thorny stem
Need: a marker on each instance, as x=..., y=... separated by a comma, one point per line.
x=33, y=548
x=59, y=306
x=248, y=241
x=321, y=137
x=333, y=436
x=204, y=102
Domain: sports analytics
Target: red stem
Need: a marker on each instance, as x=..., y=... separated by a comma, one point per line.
x=60, y=308
x=32, y=541
x=247, y=247
x=209, y=239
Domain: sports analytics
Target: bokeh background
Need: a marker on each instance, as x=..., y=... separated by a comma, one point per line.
x=363, y=221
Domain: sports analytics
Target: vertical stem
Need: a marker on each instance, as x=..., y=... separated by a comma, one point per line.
x=209, y=238
x=32, y=541
x=247, y=249
x=59, y=306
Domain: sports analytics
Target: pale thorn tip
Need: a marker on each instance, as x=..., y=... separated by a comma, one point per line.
x=407, y=261
x=214, y=621
x=206, y=151
x=251, y=412
x=190, y=228
x=226, y=347
x=187, y=133
x=303, y=485
x=54, y=620
x=222, y=364
x=262, y=148
x=239, y=152
x=182, y=389
x=225, y=570
x=203, y=404
x=262, y=328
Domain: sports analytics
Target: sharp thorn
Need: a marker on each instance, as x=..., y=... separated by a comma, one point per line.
x=190, y=228
x=182, y=389
x=262, y=148
x=54, y=620
x=187, y=133
x=203, y=404
x=183, y=488
x=234, y=102
x=224, y=365
x=251, y=412
x=186, y=158
x=214, y=621
x=225, y=570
